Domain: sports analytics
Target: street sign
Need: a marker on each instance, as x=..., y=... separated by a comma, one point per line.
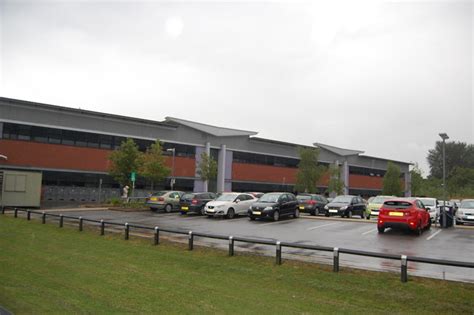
x=133, y=176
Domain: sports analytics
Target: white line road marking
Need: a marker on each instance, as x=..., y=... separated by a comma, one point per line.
x=275, y=222
x=320, y=226
x=433, y=235
x=370, y=231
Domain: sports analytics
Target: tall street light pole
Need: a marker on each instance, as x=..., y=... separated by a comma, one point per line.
x=172, y=167
x=445, y=137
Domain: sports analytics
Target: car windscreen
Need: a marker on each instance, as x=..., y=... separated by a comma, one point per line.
x=160, y=193
x=397, y=204
x=467, y=204
x=380, y=200
x=342, y=199
x=269, y=198
x=226, y=197
x=303, y=197
x=428, y=202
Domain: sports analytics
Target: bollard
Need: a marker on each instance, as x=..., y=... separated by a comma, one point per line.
x=127, y=231
x=16, y=213
x=80, y=224
x=61, y=220
x=231, y=246
x=157, y=236
x=43, y=218
x=404, y=276
x=336, y=260
x=28, y=215
x=191, y=241
x=278, y=253
x=102, y=227
x=3, y=210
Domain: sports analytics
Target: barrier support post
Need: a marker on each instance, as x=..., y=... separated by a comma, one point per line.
x=191, y=240
x=43, y=218
x=404, y=265
x=80, y=224
x=61, y=220
x=278, y=253
x=231, y=246
x=335, y=267
x=102, y=227
x=127, y=231
x=157, y=236
x=28, y=215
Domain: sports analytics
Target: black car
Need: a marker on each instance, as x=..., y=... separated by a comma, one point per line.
x=274, y=206
x=195, y=202
x=312, y=203
x=346, y=206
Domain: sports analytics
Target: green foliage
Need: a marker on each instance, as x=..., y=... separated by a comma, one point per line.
x=461, y=182
x=417, y=181
x=309, y=171
x=458, y=154
x=392, y=185
x=336, y=185
x=153, y=164
x=115, y=201
x=125, y=160
x=207, y=168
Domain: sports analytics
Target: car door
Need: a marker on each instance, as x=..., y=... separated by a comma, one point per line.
x=240, y=206
x=283, y=204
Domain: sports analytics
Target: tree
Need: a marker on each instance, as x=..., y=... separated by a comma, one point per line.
x=461, y=182
x=153, y=164
x=391, y=181
x=207, y=168
x=458, y=154
x=125, y=160
x=336, y=185
x=309, y=171
x=417, y=181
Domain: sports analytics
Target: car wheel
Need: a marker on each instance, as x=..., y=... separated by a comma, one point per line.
x=153, y=209
x=168, y=208
x=252, y=218
x=459, y=222
x=327, y=214
x=230, y=213
x=276, y=216
x=203, y=211
x=296, y=214
x=312, y=212
x=362, y=215
x=349, y=214
x=367, y=217
x=381, y=230
x=428, y=226
x=419, y=230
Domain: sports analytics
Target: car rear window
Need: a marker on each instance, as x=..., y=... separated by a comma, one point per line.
x=397, y=204
x=188, y=196
x=160, y=193
x=304, y=197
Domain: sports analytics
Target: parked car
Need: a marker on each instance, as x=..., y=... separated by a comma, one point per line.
x=229, y=205
x=164, y=200
x=195, y=202
x=465, y=212
x=274, y=206
x=374, y=205
x=255, y=194
x=311, y=203
x=346, y=206
x=432, y=205
x=404, y=213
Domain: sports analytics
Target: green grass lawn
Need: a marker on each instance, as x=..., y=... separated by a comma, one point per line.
x=44, y=269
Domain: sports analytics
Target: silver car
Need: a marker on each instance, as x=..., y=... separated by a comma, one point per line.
x=164, y=200
x=465, y=212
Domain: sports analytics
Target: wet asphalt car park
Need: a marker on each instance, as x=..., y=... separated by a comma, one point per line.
x=451, y=244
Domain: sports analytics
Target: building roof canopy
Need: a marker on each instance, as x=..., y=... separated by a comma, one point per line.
x=209, y=129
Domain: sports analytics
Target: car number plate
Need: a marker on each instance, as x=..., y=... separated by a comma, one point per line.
x=210, y=210
x=184, y=208
x=470, y=217
x=333, y=211
x=153, y=199
x=256, y=212
x=396, y=214
x=301, y=207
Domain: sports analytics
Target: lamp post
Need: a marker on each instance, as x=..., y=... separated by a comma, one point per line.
x=445, y=137
x=172, y=167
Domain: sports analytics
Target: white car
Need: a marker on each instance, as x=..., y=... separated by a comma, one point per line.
x=432, y=205
x=465, y=212
x=229, y=205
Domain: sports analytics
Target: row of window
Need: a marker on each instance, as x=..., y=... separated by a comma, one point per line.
x=366, y=171
x=252, y=158
x=82, y=139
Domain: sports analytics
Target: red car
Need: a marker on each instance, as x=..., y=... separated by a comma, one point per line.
x=404, y=213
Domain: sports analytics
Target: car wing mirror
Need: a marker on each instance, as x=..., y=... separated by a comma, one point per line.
x=237, y=200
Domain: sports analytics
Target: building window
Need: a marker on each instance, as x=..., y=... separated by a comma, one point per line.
x=253, y=158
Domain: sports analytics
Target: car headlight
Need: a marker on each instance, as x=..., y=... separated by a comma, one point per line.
x=344, y=208
x=268, y=208
x=326, y=207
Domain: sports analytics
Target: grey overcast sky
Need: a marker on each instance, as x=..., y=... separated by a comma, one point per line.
x=382, y=77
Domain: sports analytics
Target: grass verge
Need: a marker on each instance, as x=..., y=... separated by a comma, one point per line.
x=44, y=269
